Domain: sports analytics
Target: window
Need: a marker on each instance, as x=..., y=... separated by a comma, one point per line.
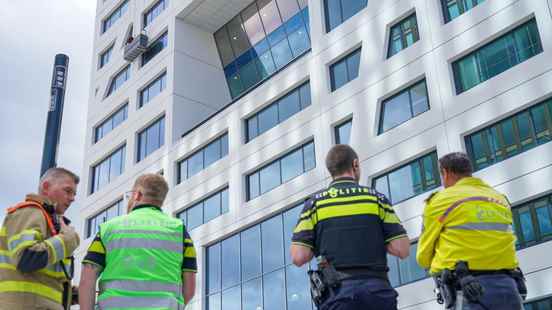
x=203, y=158
x=343, y=132
x=118, y=80
x=105, y=57
x=205, y=210
x=345, y=70
x=412, y=179
x=281, y=170
x=110, y=123
x=153, y=89
x=151, y=138
x=155, y=11
x=338, y=11
x=262, y=39
x=404, y=106
x=405, y=271
x=497, y=56
x=403, y=34
x=277, y=112
x=543, y=304
x=93, y=223
x=155, y=48
x=253, y=269
x=455, y=8
x=108, y=169
x=533, y=222
x=511, y=136
x=114, y=16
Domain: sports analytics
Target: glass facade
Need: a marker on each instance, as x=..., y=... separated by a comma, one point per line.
x=262, y=39
x=155, y=48
x=93, y=223
x=403, y=34
x=111, y=123
x=455, y=8
x=345, y=70
x=253, y=269
x=108, y=169
x=155, y=11
x=343, y=132
x=497, y=56
x=278, y=111
x=542, y=304
x=338, y=11
x=280, y=171
x=118, y=80
x=404, y=106
x=151, y=139
x=533, y=222
x=105, y=57
x=114, y=16
x=153, y=89
x=405, y=271
x=412, y=179
x=511, y=136
x=205, y=210
x=202, y=158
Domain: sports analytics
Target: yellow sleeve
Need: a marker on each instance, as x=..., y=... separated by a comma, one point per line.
x=430, y=234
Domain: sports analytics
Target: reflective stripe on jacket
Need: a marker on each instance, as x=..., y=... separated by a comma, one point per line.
x=469, y=221
x=144, y=255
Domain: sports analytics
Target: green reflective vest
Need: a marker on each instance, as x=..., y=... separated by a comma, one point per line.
x=144, y=254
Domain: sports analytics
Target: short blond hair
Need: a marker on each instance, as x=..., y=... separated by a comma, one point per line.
x=153, y=186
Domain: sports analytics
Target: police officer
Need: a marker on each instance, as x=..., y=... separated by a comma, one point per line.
x=468, y=235
x=36, y=242
x=351, y=228
x=145, y=259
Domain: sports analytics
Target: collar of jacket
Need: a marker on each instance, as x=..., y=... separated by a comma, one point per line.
x=342, y=180
x=43, y=200
x=471, y=181
x=147, y=206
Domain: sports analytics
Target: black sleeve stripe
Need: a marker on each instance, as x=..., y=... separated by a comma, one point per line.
x=96, y=258
x=32, y=260
x=189, y=264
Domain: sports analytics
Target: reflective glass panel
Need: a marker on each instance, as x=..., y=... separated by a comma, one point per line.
x=273, y=244
x=230, y=263
x=274, y=291
x=292, y=165
x=251, y=252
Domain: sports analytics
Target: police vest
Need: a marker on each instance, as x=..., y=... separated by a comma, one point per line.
x=349, y=228
x=144, y=254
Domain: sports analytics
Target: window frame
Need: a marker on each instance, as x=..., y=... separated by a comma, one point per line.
x=162, y=79
x=418, y=159
x=217, y=138
x=163, y=36
x=327, y=26
x=336, y=127
x=201, y=201
x=461, y=8
x=110, y=118
x=105, y=51
x=256, y=171
x=92, y=183
x=88, y=226
x=117, y=10
x=144, y=131
x=150, y=9
x=127, y=70
x=343, y=59
x=531, y=207
x=395, y=94
x=399, y=23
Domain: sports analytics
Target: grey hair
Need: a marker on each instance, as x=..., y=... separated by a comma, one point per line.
x=57, y=173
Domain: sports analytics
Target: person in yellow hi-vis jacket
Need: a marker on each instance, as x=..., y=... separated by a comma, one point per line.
x=467, y=242
x=36, y=242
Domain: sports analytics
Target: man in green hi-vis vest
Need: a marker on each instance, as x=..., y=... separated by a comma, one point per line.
x=144, y=259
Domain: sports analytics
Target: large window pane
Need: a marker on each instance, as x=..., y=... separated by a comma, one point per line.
x=309, y=157
x=290, y=220
x=527, y=228
x=418, y=98
x=253, y=185
x=292, y=165
x=213, y=268
x=269, y=15
x=297, y=284
x=345, y=70
x=195, y=216
x=238, y=37
x=353, y=65
x=396, y=111
x=270, y=177
x=338, y=11
x=230, y=249
x=211, y=208
x=288, y=106
x=273, y=244
x=252, y=24
x=195, y=163
x=253, y=295
x=231, y=298
x=343, y=133
x=268, y=118
x=288, y=8
x=224, y=47
x=339, y=75
x=281, y=53
x=251, y=252
x=402, y=184
x=274, y=291
x=544, y=216
x=409, y=269
x=497, y=56
x=403, y=34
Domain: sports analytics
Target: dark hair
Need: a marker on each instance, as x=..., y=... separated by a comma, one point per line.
x=457, y=163
x=340, y=159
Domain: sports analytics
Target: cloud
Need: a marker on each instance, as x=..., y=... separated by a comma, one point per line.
x=33, y=32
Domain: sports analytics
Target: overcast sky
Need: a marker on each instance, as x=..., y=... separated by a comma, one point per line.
x=32, y=32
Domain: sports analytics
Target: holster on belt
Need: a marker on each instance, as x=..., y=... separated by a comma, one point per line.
x=446, y=289
x=518, y=276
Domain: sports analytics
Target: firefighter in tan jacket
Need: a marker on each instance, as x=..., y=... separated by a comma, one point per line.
x=36, y=244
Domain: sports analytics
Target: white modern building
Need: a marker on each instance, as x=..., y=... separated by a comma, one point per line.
x=237, y=102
